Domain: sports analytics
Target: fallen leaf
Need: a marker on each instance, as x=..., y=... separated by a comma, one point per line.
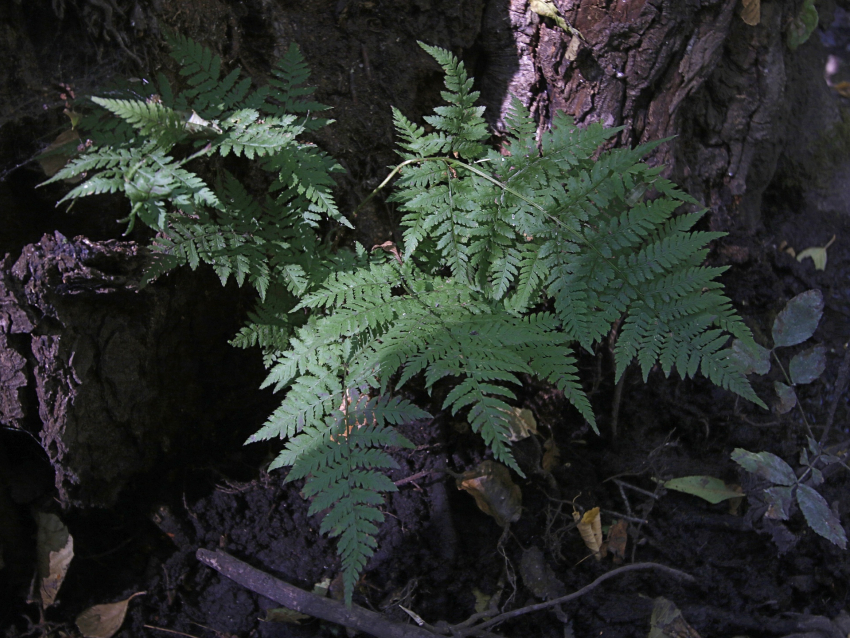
x=322, y=587
x=494, y=492
x=817, y=254
x=707, y=488
x=283, y=614
x=538, y=576
x=590, y=528
x=521, y=423
x=482, y=601
x=551, y=456
x=104, y=621
x=54, y=157
x=667, y=621
x=55, y=550
x=751, y=12
x=547, y=9
x=618, y=536
x=842, y=88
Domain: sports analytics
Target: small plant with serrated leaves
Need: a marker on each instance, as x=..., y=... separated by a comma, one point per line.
x=511, y=260
x=794, y=325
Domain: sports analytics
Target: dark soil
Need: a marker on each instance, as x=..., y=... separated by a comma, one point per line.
x=437, y=551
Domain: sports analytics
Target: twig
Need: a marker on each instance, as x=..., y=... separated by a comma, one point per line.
x=299, y=600
x=626, y=517
x=637, y=489
x=170, y=631
x=413, y=477
x=563, y=599
x=838, y=390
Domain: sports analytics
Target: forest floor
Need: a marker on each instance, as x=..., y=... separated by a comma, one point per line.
x=442, y=558
x=439, y=556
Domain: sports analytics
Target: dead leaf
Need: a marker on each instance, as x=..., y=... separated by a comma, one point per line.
x=322, y=587
x=388, y=247
x=283, y=614
x=54, y=157
x=521, y=423
x=104, y=621
x=618, y=536
x=55, y=550
x=482, y=600
x=538, y=576
x=590, y=528
x=735, y=503
x=494, y=492
x=667, y=621
x=817, y=254
x=842, y=88
x=751, y=12
x=551, y=456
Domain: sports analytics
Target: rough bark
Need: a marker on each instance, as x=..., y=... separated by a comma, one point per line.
x=118, y=373
x=657, y=68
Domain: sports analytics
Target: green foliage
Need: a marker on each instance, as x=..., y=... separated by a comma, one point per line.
x=785, y=488
x=510, y=260
x=794, y=324
x=802, y=25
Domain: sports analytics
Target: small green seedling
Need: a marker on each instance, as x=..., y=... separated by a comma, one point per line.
x=795, y=324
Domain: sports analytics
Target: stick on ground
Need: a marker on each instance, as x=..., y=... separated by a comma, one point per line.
x=303, y=601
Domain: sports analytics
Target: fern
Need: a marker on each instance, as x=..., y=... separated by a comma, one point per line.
x=509, y=262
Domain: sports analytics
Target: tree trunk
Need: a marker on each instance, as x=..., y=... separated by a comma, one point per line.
x=659, y=69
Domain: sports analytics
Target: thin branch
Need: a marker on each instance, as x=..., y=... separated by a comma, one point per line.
x=303, y=601
x=581, y=592
x=838, y=392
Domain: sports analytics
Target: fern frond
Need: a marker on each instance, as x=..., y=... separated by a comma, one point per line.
x=341, y=459
x=288, y=93
x=461, y=120
x=247, y=135
x=210, y=95
x=152, y=120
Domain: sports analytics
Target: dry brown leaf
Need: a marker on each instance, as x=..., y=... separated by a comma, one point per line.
x=551, y=456
x=104, y=621
x=842, y=88
x=283, y=614
x=667, y=621
x=54, y=157
x=590, y=528
x=494, y=492
x=55, y=550
x=735, y=503
x=751, y=12
x=618, y=536
x=521, y=423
